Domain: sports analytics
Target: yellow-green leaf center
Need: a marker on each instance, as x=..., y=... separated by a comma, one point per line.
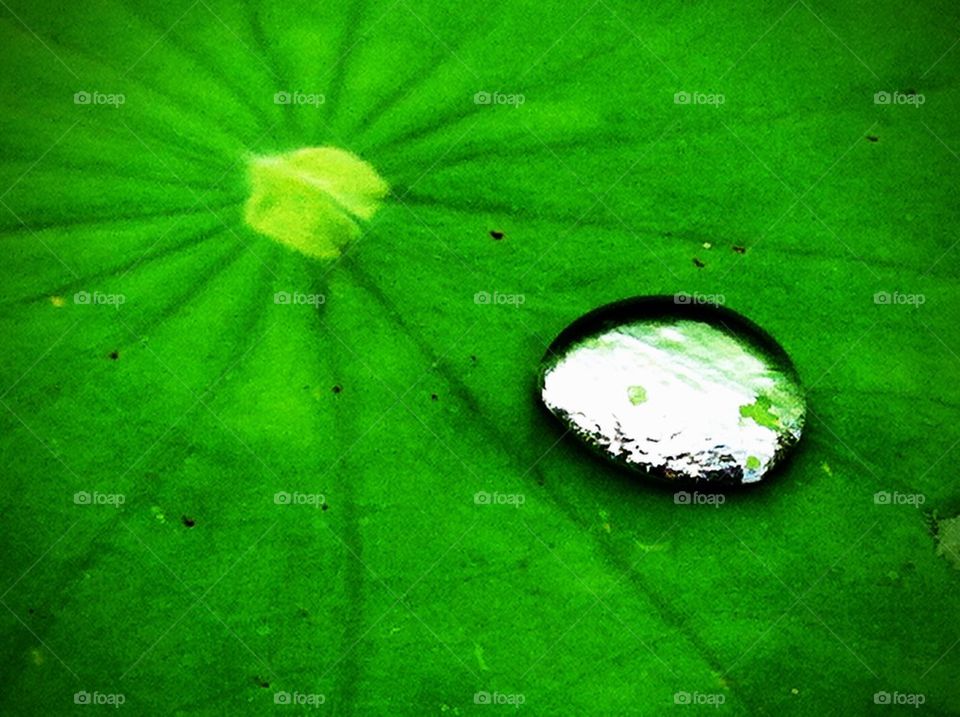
x=313, y=199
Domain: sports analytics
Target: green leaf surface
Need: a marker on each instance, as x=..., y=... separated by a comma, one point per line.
x=463, y=545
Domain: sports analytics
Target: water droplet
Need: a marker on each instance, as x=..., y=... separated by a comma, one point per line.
x=682, y=392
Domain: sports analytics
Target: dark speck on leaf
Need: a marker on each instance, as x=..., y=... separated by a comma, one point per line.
x=187, y=521
x=873, y=138
x=496, y=235
x=325, y=506
x=697, y=263
x=262, y=682
x=337, y=389
x=434, y=397
x=473, y=358
x=740, y=249
x=114, y=355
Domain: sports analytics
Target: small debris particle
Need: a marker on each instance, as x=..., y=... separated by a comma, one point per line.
x=948, y=539
x=740, y=249
x=337, y=389
x=187, y=521
x=697, y=263
x=434, y=397
x=478, y=653
x=872, y=138
x=324, y=506
x=261, y=682
x=707, y=245
x=637, y=395
x=496, y=234
x=651, y=547
x=114, y=355
x=57, y=301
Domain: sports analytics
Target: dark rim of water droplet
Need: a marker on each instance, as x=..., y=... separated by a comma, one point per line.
x=652, y=308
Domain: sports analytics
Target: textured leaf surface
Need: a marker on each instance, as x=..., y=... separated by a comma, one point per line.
x=199, y=397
